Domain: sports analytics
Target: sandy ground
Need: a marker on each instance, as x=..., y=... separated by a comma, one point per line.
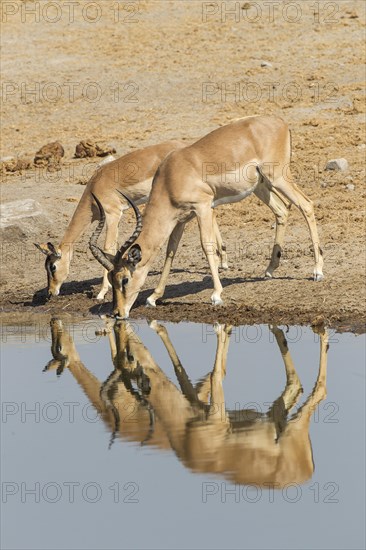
x=178, y=69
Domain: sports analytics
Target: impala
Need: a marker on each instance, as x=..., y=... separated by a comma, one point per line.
x=132, y=418
x=139, y=402
x=132, y=173
x=251, y=155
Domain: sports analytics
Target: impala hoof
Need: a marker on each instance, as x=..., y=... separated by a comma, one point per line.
x=150, y=302
x=318, y=277
x=224, y=265
x=268, y=275
x=217, y=301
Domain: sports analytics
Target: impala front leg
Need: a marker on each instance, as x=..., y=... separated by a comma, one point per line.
x=173, y=243
x=209, y=245
x=110, y=246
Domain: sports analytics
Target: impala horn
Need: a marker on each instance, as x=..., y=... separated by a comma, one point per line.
x=95, y=250
x=135, y=234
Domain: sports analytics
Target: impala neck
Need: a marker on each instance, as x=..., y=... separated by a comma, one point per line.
x=80, y=220
x=158, y=223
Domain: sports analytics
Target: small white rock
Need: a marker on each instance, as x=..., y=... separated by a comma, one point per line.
x=11, y=212
x=266, y=64
x=350, y=187
x=337, y=164
x=7, y=159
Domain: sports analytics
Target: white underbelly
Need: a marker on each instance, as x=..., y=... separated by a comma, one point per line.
x=234, y=185
x=233, y=198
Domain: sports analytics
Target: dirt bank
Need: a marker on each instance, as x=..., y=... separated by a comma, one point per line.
x=182, y=69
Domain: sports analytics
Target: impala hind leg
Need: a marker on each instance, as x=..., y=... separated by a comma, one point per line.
x=305, y=205
x=281, y=208
x=110, y=246
x=209, y=246
x=221, y=247
x=173, y=243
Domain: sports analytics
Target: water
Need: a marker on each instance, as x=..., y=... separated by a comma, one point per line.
x=135, y=454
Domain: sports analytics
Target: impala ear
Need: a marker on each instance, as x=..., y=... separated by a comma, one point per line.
x=53, y=250
x=43, y=248
x=134, y=255
x=48, y=249
x=53, y=364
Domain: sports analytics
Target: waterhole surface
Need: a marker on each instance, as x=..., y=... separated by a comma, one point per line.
x=182, y=436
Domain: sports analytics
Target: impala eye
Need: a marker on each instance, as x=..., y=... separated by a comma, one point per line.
x=124, y=281
x=59, y=349
x=52, y=268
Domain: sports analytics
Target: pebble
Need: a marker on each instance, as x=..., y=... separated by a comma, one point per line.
x=266, y=64
x=337, y=164
x=7, y=159
x=350, y=187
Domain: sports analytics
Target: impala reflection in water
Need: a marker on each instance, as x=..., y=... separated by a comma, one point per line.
x=139, y=403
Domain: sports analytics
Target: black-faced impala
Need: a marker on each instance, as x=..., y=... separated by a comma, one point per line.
x=133, y=173
x=251, y=155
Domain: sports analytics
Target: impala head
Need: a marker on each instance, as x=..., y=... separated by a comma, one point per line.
x=62, y=348
x=57, y=270
x=121, y=266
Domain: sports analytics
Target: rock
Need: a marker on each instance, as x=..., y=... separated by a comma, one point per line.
x=6, y=159
x=88, y=148
x=323, y=184
x=337, y=164
x=19, y=219
x=266, y=64
x=50, y=155
x=350, y=187
x=361, y=146
x=16, y=210
x=9, y=164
